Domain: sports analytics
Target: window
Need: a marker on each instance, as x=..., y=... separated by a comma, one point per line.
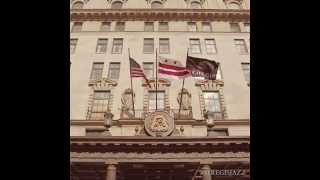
x=120, y=26
x=164, y=45
x=247, y=27
x=116, y=5
x=156, y=5
x=105, y=26
x=241, y=46
x=77, y=5
x=219, y=74
x=148, y=69
x=96, y=72
x=206, y=27
x=77, y=26
x=117, y=46
x=100, y=104
x=219, y=132
x=212, y=101
x=163, y=26
x=192, y=26
x=114, y=71
x=73, y=45
x=148, y=45
x=246, y=71
x=210, y=46
x=148, y=26
x=195, y=46
x=153, y=101
x=234, y=27
x=195, y=5
x=102, y=46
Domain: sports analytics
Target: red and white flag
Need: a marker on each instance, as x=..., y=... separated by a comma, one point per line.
x=173, y=68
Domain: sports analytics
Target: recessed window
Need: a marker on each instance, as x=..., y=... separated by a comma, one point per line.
x=241, y=46
x=206, y=27
x=116, y=5
x=105, y=26
x=73, y=45
x=195, y=5
x=247, y=27
x=212, y=101
x=102, y=46
x=210, y=46
x=77, y=27
x=156, y=5
x=114, y=71
x=117, y=45
x=156, y=98
x=100, y=105
x=164, y=47
x=96, y=72
x=148, y=45
x=235, y=27
x=148, y=26
x=192, y=26
x=246, y=71
x=195, y=46
x=148, y=69
x=77, y=5
x=120, y=26
x=163, y=26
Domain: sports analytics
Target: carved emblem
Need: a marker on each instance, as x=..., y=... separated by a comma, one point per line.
x=159, y=124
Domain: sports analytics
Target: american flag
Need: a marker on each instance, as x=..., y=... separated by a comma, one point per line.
x=136, y=70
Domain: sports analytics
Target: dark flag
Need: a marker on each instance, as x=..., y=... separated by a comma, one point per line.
x=136, y=70
x=200, y=67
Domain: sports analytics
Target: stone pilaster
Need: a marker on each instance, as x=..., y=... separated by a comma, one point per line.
x=111, y=172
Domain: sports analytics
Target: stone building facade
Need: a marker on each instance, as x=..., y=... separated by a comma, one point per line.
x=211, y=131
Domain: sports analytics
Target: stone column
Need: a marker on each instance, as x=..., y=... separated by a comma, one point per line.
x=111, y=172
x=206, y=172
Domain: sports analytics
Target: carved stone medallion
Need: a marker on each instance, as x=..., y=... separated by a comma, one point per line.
x=159, y=124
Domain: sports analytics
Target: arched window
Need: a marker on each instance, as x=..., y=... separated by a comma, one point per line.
x=116, y=5
x=156, y=5
x=233, y=5
x=77, y=5
x=195, y=5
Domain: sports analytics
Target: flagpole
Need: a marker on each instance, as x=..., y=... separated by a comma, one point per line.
x=182, y=89
x=156, y=79
x=131, y=85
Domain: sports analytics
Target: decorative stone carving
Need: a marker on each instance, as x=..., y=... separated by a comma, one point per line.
x=127, y=104
x=159, y=124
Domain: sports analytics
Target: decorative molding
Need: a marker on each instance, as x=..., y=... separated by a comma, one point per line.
x=84, y=1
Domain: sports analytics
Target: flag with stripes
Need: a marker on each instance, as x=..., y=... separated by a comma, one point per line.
x=136, y=70
x=171, y=67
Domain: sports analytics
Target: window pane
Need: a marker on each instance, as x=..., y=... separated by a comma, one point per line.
x=152, y=100
x=164, y=46
x=102, y=46
x=114, y=71
x=77, y=26
x=148, y=26
x=241, y=46
x=206, y=27
x=73, y=45
x=235, y=27
x=148, y=45
x=192, y=26
x=195, y=5
x=105, y=26
x=116, y=5
x=120, y=26
x=212, y=102
x=195, y=46
x=117, y=46
x=156, y=5
x=77, y=5
x=247, y=27
x=163, y=26
x=246, y=71
x=96, y=72
x=148, y=69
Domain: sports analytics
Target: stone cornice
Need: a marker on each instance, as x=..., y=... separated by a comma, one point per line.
x=159, y=14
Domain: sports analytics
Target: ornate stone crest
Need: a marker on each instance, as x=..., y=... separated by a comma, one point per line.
x=159, y=124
